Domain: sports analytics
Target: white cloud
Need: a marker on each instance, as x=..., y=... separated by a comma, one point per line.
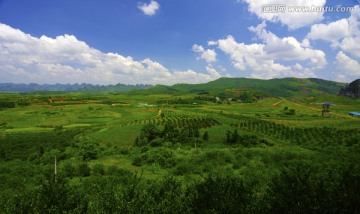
x=211, y=43
x=65, y=59
x=209, y=55
x=332, y=32
x=262, y=65
x=274, y=57
x=288, y=48
x=293, y=20
x=344, y=33
x=213, y=73
x=348, y=68
x=149, y=9
x=351, y=43
x=297, y=66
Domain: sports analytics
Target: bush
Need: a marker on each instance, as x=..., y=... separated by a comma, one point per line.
x=84, y=170
x=206, y=136
x=89, y=155
x=138, y=160
x=69, y=170
x=186, y=167
x=98, y=169
x=219, y=194
x=156, y=142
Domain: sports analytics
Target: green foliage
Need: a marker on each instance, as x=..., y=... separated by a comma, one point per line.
x=148, y=133
x=304, y=187
x=6, y=104
x=2, y=153
x=247, y=97
x=206, y=135
x=221, y=194
x=89, y=155
x=20, y=146
x=151, y=135
x=83, y=169
x=162, y=156
x=68, y=170
x=233, y=138
x=50, y=197
x=289, y=111
x=271, y=163
x=98, y=169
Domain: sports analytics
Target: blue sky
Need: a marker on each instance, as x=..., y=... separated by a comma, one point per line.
x=168, y=41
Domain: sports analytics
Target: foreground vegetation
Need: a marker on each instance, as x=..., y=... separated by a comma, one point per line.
x=193, y=153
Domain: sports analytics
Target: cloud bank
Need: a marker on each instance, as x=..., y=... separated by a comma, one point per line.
x=65, y=59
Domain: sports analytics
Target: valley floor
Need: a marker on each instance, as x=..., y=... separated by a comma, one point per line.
x=171, y=154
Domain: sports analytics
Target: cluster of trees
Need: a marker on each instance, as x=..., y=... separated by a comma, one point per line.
x=7, y=104
x=234, y=138
x=12, y=104
x=288, y=111
x=32, y=145
x=153, y=136
x=298, y=187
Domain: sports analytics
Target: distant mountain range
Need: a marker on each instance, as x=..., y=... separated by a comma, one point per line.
x=12, y=87
x=223, y=87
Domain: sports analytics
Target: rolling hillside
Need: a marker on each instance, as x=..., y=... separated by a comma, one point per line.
x=286, y=87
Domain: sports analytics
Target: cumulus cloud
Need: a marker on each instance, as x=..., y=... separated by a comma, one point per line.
x=212, y=71
x=293, y=20
x=274, y=56
x=209, y=55
x=332, y=32
x=254, y=57
x=344, y=33
x=149, y=9
x=65, y=59
x=348, y=68
x=288, y=48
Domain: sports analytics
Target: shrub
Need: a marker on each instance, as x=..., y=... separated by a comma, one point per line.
x=89, y=155
x=69, y=170
x=221, y=195
x=84, y=169
x=98, y=169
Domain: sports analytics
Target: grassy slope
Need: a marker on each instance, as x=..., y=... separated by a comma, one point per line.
x=286, y=87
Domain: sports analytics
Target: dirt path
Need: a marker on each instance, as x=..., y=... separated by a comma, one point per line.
x=275, y=104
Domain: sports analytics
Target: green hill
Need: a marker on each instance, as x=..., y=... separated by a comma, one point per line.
x=286, y=87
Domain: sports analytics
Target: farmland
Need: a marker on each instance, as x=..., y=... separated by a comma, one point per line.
x=132, y=153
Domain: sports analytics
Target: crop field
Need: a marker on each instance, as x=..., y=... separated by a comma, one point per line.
x=124, y=139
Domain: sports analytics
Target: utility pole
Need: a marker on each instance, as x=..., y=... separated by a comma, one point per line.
x=55, y=170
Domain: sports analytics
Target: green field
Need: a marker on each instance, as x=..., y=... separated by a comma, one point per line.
x=121, y=153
